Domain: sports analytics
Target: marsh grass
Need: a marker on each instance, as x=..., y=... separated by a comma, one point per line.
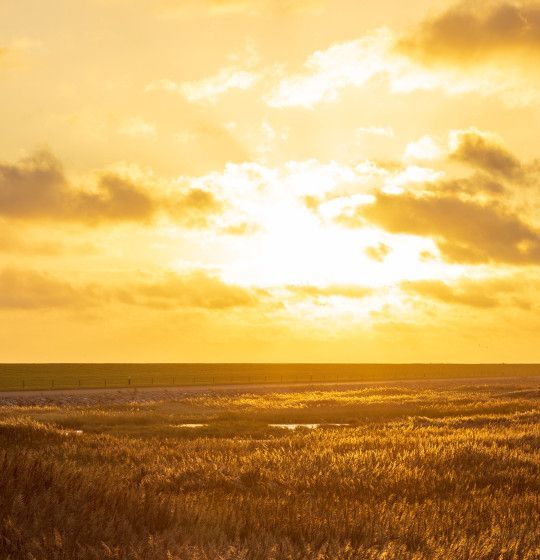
x=447, y=473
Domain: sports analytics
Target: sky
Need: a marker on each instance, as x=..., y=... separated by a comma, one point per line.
x=269, y=181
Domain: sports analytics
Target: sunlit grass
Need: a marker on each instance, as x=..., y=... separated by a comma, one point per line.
x=449, y=472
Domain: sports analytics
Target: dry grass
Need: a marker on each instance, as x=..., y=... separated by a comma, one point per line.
x=439, y=472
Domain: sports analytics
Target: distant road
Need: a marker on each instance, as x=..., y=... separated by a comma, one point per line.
x=120, y=395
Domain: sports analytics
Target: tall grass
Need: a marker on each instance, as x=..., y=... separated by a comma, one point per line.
x=447, y=474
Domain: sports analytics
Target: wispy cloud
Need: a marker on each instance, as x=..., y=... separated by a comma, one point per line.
x=209, y=89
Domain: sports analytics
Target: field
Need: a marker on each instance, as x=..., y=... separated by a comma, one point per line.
x=58, y=376
x=405, y=470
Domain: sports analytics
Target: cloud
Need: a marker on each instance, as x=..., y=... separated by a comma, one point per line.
x=241, y=229
x=471, y=32
x=423, y=149
x=13, y=243
x=24, y=289
x=478, y=183
x=328, y=71
x=465, y=231
x=350, y=291
x=196, y=289
x=483, y=151
x=28, y=289
x=515, y=290
x=465, y=293
x=195, y=207
x=384, y=56
x=209, y=89
x=37, y=188
x=378, y=252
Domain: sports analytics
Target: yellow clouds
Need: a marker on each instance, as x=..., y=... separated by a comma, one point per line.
x=513, y=290
x=359, y=64
x=211, y=88
x=24, y=289
x=329, y=71
x=404, y=63
x=465, y=231
x=268, y=169
x=485, y=152
x=197, y=289
x=469, y=32
x=36, y=188
x=27, y=290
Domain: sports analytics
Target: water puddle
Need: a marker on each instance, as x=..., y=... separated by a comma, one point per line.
x=189, y=425
x=72, y=432
x=307, y=426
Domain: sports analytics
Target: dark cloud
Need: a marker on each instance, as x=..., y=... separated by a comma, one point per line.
x=37, y=188
x=464, y=231
x=33, y=187
x=469, y=185
x=479, y=151
x=116, y=200
x=473, y=31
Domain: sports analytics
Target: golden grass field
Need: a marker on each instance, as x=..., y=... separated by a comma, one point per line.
x=421, y=470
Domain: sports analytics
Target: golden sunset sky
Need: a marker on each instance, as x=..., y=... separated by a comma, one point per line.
x=269, y=180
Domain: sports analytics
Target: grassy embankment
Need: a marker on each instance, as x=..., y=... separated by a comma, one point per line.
x=58, y=376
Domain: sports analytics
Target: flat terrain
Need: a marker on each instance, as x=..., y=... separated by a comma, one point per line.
x=73, y=376
x=412, y=470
